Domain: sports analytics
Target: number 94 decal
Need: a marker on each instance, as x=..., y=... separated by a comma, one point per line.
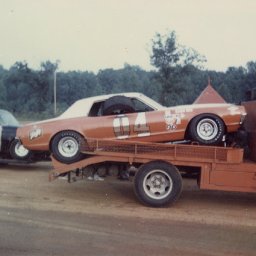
x=122, y=128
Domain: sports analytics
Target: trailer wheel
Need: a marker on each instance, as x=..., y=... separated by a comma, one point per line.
x=207, y=129
x=157, y=184
x=66, y=147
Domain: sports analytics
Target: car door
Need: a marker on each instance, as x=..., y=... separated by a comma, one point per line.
x=142, y=126
x=150, y=125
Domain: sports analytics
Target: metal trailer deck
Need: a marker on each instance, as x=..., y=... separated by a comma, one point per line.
x=221, y=168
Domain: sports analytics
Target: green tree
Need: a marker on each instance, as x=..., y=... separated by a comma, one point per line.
x=3, y=73
x=75, y=85
x=17, y=83
x=250, y=75
x=109, y=80
x=171, y=60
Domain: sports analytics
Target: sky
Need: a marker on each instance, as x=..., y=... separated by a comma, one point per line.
x=98, y=34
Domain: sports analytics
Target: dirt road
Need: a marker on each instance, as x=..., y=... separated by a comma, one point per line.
x=104, y=218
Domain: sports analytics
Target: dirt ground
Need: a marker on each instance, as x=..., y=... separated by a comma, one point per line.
x=104, y=218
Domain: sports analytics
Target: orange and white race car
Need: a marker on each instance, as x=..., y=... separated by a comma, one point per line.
x=129, y=116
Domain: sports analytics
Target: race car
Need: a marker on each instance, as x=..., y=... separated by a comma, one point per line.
x=10, y=147
x=129, y=116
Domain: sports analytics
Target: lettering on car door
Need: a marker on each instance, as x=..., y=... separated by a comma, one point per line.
x=123, y=128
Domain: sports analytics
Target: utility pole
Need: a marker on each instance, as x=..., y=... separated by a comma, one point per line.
x=55, y=92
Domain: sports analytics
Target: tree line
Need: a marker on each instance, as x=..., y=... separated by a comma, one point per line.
x=178, y=78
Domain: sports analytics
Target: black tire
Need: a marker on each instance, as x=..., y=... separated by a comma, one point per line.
x=207, y=129
x=157, y=184
x=18, y=151
x=118, y=105
x=66, y=147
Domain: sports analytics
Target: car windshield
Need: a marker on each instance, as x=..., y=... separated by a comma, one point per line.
x=6, y=118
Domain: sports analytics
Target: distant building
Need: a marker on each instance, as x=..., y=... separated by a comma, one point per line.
x=209, y=95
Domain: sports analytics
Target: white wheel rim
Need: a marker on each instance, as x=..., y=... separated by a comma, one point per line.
x=207, y=129
x=68, y=146
x=20, y=150
x=157, y=184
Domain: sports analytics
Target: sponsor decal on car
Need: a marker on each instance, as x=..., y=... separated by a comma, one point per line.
x=123, y=129
x=184, y=110
x=172, y=119
x=35, y=133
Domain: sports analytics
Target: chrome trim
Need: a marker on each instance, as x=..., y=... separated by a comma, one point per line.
x=242, y=118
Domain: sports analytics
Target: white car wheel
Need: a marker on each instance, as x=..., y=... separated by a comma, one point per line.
x=18, y=151
x=207, y=129
x=68, y=146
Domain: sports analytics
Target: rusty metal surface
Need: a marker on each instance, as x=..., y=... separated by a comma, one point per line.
x=231, y=177
x=164, y=151
x=98, y=151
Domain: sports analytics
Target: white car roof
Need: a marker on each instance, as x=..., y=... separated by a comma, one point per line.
x=83, y=106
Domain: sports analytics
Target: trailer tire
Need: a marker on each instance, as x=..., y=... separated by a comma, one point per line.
x=158, y=184
x=118, y=105
x=207, y=129
x=66, y=147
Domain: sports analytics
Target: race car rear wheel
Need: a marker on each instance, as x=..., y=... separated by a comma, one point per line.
x=207, y=129
x=66, y=146
x=157, y=183
x=18, y=151
x=118, y=105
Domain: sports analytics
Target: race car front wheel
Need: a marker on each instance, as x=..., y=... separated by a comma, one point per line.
x=207, y=129
x=66, y=147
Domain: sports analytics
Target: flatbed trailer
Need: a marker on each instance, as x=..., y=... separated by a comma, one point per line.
x=156, y=168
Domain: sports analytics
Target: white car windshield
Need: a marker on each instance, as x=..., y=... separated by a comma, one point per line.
x=7, y=119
